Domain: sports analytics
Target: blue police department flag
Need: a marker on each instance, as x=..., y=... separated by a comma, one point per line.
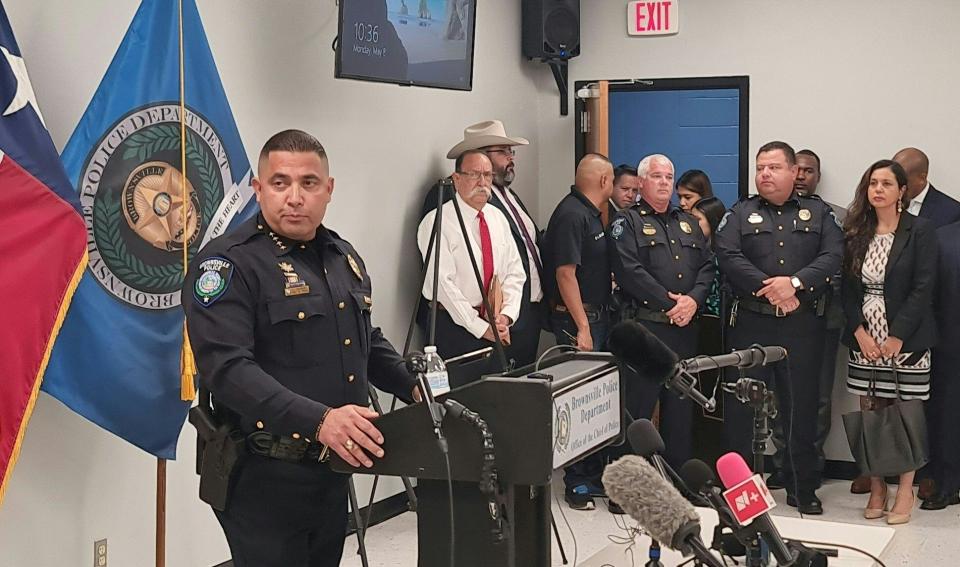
x=117, y=361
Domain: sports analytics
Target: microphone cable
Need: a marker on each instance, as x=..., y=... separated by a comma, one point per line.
x=489, y=477
x=842, y=546
x=556, y=498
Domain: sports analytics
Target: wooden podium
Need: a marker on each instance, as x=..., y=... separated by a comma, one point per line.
x=540, y=422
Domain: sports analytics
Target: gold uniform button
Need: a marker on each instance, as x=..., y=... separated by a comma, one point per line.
x=303, y=247
x=781, y=244
x=350, y=378
x=259, y=227
x=259, y=425
x=296, y=436
x=779, y=212
x=341, y=305
x=676, y=257
x=653, y=242
x=811, y=288
x=781, y=260
x=680, y=276
x=347, y=342
x=301, y=315
x=780, y=227
x=672, y=241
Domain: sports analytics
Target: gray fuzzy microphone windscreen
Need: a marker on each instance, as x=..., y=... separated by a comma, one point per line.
x=653, y=502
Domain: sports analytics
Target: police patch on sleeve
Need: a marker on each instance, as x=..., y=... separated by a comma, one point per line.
x=214, y=278
x=617, y=228
x=723, y=221
x=836, y=220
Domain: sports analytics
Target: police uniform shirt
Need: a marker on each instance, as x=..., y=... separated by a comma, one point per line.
x=458, y=291
x=757, y=240
x=575, y=235
x=653, y=254
x=281, y=330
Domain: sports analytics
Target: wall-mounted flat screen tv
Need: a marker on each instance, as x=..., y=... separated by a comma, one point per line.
x=426, y=43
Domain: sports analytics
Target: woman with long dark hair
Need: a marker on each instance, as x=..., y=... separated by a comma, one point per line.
x=889, y=274
x=692, y=186
x=709, y=212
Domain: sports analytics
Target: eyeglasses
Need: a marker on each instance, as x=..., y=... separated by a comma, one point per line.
x=507, y=152
x=476, y=175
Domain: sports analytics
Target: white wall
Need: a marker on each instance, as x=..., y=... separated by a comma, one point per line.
x=75, y=483
x=855, y=81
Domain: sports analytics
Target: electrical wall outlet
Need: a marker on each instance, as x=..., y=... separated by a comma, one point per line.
x=100, y=553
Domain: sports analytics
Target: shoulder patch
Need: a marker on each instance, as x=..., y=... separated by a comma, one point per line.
x=723, y=221
x=617, y=229
x=212, y=280
x=836, y=219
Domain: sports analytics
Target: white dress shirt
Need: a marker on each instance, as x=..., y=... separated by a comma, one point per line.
x=536, y=288
x=458, y=291
x=917, y=202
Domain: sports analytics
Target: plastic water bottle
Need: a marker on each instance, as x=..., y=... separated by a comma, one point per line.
x=436, y=373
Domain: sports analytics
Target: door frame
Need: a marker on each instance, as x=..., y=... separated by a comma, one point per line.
x=739, y=82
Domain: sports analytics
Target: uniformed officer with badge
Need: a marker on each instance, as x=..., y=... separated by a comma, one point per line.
x=664, y=266
x=779, y=251
x=278, y=312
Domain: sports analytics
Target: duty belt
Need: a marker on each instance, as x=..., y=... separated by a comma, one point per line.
x=587, y=308
x=818, y=306
x=644, y=314
x=286, y=449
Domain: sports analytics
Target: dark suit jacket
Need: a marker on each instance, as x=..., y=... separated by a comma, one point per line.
x=948, y=298
x=940, y=208
x=908, y=287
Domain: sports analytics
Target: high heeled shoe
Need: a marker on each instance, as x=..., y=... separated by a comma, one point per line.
x=898, y=518
x=877, y=513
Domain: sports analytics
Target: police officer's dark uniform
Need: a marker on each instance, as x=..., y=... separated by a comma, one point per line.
x=653, y=254
x=576, y=236
x=281, y=331
x=800, y=239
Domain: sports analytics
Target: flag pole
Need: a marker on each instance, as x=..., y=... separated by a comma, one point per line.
x=161, y=511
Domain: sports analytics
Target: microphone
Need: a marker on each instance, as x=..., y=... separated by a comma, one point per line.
x=634, y=345
x=733, y=471
x=657, y=506
x=700, y=478
x=756, y=355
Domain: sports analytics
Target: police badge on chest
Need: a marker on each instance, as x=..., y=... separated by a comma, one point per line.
x=294, y=284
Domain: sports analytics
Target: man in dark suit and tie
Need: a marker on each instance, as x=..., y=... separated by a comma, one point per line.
x=945, y=389
x=925, y=200
x=491, y=137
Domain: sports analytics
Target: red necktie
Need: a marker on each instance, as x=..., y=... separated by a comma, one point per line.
x=486, y=250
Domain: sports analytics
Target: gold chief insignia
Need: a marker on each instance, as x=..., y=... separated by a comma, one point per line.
x=355, y=267
x=649, y=229
x=294, y=284
x=804, y=214
x=685, y=227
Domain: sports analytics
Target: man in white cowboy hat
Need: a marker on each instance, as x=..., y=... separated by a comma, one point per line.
x=491, y=137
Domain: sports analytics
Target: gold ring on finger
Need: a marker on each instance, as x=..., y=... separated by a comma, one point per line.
x=349, y=445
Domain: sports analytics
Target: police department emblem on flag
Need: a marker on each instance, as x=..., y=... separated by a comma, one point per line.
x=133, y=198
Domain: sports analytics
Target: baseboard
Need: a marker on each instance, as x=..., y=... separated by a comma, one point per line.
x=383, y=510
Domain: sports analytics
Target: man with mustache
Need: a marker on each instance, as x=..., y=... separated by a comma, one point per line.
x=462, y=326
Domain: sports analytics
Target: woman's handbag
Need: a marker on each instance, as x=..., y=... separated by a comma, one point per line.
x=888, y=441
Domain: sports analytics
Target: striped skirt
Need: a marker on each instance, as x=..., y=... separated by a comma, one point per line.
x=912, y=372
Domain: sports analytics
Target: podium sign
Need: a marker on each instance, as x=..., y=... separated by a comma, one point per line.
x=585, y=415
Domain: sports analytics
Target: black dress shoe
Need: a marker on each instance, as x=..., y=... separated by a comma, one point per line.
x=776, y=481
x=808, y=505
x=940, y=501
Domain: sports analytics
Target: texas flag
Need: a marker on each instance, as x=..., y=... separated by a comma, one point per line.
x=43, y=247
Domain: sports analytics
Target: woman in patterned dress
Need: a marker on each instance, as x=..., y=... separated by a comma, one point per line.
x=889, y=273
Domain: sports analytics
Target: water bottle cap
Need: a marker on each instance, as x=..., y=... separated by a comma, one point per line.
x=429, y=349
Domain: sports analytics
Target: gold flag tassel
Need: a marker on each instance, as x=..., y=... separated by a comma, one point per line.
x=188, y=366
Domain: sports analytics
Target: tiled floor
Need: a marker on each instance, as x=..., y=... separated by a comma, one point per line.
x=931, y=538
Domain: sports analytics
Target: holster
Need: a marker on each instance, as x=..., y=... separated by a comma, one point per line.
x=220, y=447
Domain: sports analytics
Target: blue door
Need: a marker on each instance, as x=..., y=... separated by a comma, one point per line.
x=695, y=128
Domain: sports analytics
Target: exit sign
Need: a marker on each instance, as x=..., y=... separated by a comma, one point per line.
x=653, y=18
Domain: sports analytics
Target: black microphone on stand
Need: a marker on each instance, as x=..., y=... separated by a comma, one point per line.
x=657, y=506
x=756, y=355
x=634, y=345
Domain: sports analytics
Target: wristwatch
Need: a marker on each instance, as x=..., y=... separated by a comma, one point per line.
x=796, y=283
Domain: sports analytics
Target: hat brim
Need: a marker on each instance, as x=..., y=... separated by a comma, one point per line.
x=477, y=142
